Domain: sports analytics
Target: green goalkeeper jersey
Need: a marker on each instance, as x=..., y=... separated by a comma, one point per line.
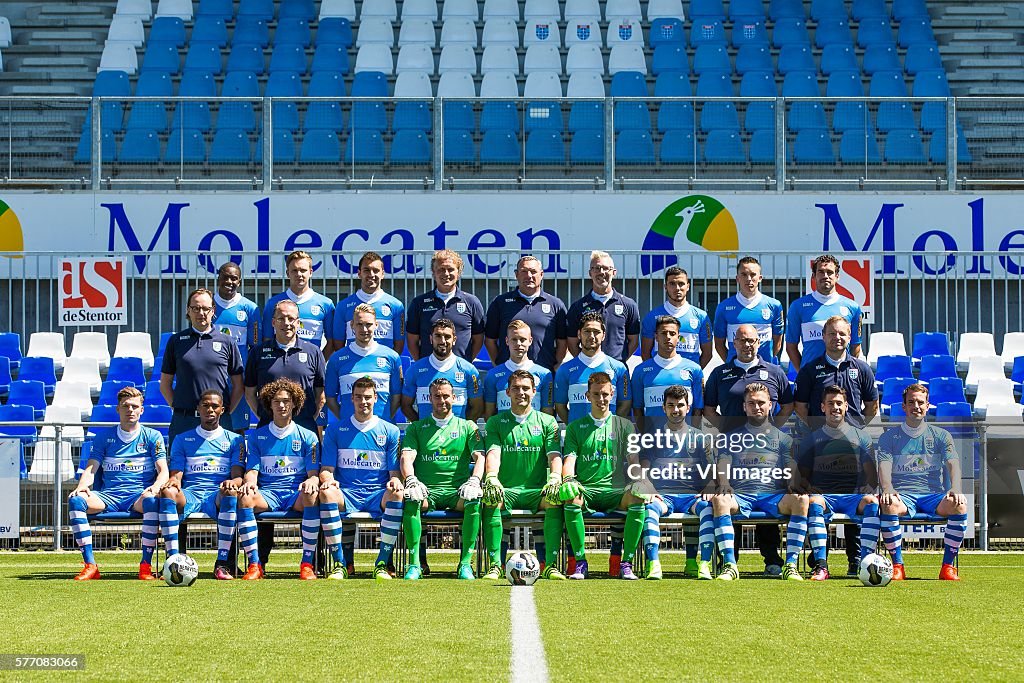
x=444, y=455
x=524, y=447
x=600, y=450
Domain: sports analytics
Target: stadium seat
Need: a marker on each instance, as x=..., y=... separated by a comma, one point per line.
x=152, y=395
x=587, y=147
x=28, y=392
x=287, y=57
x=86, y=370
x=185, y=146
x=974, y=344
x=545, y=147
x=169, y=30
x=621, y=8
x=813, y=147
x=293, y=31
x=992, y=390
x=375, y=31
x=937, y=365
x=258, y=9
x=586, y=57
x=622, y=57
x=625, y=29
x=634, y=147
x=158, y=417
x=91, y=345
x=679, y=147
x=1006, y=412
x=632, y=116
x=338, y=9
x=334, y=31
x=140, y=147
x=219, y=9
x=859, y=147
x=45, y=447
x=410, y=147
x=671, y=9
x=803, y=115
x=1017, y=373
x=543, y=84
x=136, y=8
x=39, y=368
x=669, y=58
x=937, y=151
x=708, y=58
x=110, y=389
x=724, y=147
x=5, y=375
x=417, y=9
x=251, y=31
x=882, y=59
x=892, y=366
x=119, y=57
x=915, y=30
x=500, y=147
x=364, y=147
x=586, y=116
x=458, y=115
x=790, y=31
x=848, y=116
x=285, y=113
x=331, y=60
x=867, y=9
x=194, y=115
x=128, y=369
x=827, y=9
x=48, y=345
x=960, y=414
x=585, y=84
x=922, y=57
x=946, y=389
x=500, y=8
x=885, y=344
x=123, y=29
x=460, y=31
x=504, y=58
x=904, y=147
x=930, y=343
x=457, y=58
x=749, y=32
x=703, y=9
x=415, y=58
x=707, y=32
x=244, y=57
x=206, y=58
x=832, y=31
x=458, y=147
x=754, y=58
x=762, y=146
x=905, y=9
x=667, y=31
x=896, y=413
x=839, y=58
x=1013, y=346
x=933, y=114
x=110, y=84
x=759, y=115
x=10, y=347
x=875, y=32
x=297, y=9
x=417, y=31
x=796, y=58
x=581, y=8
x=468, y=9
x=717, y=115
x=892, y=391
x=982, y=366
x=786, y=9
x=18, y=413
x=159, y=57
x=321, y=146
x=210, y=30
x=583, y=30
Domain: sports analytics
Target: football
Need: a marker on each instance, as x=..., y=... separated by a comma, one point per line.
x=875, y=571
x=180, y=570
x=522, y=569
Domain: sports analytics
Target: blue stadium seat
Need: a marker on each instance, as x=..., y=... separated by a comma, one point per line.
x=587, y=147
x=904, y=147
x=905, y=9
x=833, y=32
x=741, y=10
x=161, y=57
x=827, y=9
x=895, y=115
x=40, y=369
x=859, y=146
x=629, y=84
x=126, y=369
x=893, y=366
x=868, y=9
x=803, y=115
x=949, y=389
x=922, y=57
x=500, y=115
x=915, y=30
x=106, y=411
x=707, y=32
x=754, y=58
x=140, y=146
x=109, y=390
x=370, y=116
x=285, y=114
x=364, y=147
x=837, y=58
x=703, y=9
x=410, y=147
x=762, y=147
x=676, y=116
x=679, y=147
x=326, y=84
x=416, y=116
x=796, y=58
x=28, y=392
x=168, y=30
x=152, y=396
x=111, y=84
x=238, y=115
x=230, y=146
x=724, y=147
x=287, y=57
x=18, y=413
x=668, y=58
x=5, y=375
x=545, y=147
x=790, y=31
x=157, y=417
x=813, y=147
x=847, y=116
x=875, y=32
x=458, y=147
x=1017, y=372
x=246, y=57
x=335, y=31
x=210, y=30
x=634, y=147
x=759, y=115
x=297, y=9
x=881, y=59
x=194, y=114
x=370, y=84
x=185, y=146
x=932, y=84
x=108, y=147
x=930, y=343
x=251, y=31
x=709, y=58
x=259, y=9
x=937, y=148
x=321, y=146
x=937, y=365
x=499, y=147
x=717, y=115
x=218, y=9
x=892, y=391
x=203, y=57
x=324, y=115
x=786, y=9
x=292, y=31
x=956, y=412
x=749, y=32
x=459, y=115
x=667, y=30
x=332, y=59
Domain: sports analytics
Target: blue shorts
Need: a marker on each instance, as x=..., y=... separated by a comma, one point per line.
x=924, y=504
x=842, y=503
x=364, y=500
x=679, y=502
x=200, y=500
x=118, y=500
x=279, y=500
x=767, y=503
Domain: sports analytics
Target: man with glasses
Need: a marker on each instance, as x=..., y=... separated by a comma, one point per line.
x=621, y=314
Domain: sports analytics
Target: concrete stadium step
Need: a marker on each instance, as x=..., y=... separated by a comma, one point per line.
x=41, y=89
x=63, y=9
x=984, y=36
x=1000, y=90
x=48, y=64
x=972, y=11
x=992, y=63
x=92, y=39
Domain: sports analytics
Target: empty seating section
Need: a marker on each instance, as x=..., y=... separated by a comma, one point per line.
x=814, y=51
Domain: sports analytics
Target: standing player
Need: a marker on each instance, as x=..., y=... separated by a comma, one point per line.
x=364, y=356
x=360, y=473
x=664, y=369
x=694, y=339
x=282, y=470
x=689, y=490
x=912, y=458
x=316, y=311
x=389, y=311
x=239, y=318
x=593, y=475
x=206, y=473
x=134, y=465
x=748, y=306
x=442, y=362
x=837, y=464
x=519, y=340
x=807, y=315
x=621, y=314
x=571, y=378
x=449, y=301
x=523, y=470
x=442, y=465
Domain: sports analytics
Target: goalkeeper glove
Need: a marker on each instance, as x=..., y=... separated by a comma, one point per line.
x=493, y=491
x=642, y=489
x=414, y=489
x=570, y=489
x=550, y=491
x=471, y=489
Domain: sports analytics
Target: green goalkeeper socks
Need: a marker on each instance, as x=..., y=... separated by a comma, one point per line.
x=470, y=530
x=413, y=525
x=574, y=527
x=490, y=518
x=554, y=522
x=631, y=534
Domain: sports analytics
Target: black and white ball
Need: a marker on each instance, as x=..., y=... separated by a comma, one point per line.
x=875, y=571
x=522, y=569
x=180, y=570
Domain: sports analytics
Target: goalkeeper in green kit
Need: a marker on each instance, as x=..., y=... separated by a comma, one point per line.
x=441, y=463
x=593, y=474
x=523, y=471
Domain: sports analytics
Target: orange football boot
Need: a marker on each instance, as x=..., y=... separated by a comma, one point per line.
x=146, y=572
x=306, y=572
x=90, y=572
x=254, y=572
x=898, y=573
x=948, y=573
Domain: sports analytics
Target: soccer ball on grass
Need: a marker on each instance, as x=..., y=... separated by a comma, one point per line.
x=522, y=569
x=180, y=570
x=875, y=571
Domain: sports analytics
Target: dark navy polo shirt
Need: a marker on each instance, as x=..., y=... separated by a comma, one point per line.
x=726, y=384
x=200, y=362
x=463, y=309
x=853, y=375
x=546, y=316
x=621, y=319
x=303, y=363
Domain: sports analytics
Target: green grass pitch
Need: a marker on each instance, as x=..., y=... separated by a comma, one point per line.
x=441, y=629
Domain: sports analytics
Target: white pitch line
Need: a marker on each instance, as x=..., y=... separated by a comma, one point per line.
x=528, y=662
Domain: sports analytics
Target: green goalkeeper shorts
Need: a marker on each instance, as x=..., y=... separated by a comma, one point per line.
x=442, y=499
x=522, y=499
x=602, y=500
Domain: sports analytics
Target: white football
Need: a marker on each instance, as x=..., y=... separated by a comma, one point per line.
x=522, y=568
x=180, y=570
x=875, y=571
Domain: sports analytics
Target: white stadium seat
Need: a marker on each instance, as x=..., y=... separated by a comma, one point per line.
x=625, y=30
x=74, y=394
x=541, y=8
x=457, y=58
x=543, y=85
x=5, y=32
x=983, y=367
x=375, y=57
x=499, y=84
x=138, y=8
x=885, y=344
x=379, y=8
x=413, y=84
x=175, y=8
x=1004, y=410
x=48, y=345
x=621, y=8
x=992, y=391
x=585, y=84
x=42, y=470
x=375, y=31
x=416, y=58
x=417, y=31
x=419, y=8
x=338, y=8
x=1013, y=346
x=458, y=31
x=500, y=31
x=665, y=9
x=626, y=57
x=499, y=58
x=501, y=8
x=126, y=29
x=119, y=57
x=584, y=57
x=542, y=31
x=974, y=344
x=91, y=345
x=583, y=30
x=468, y=9
x=85, y=370
x=581, y=8
x=458, y=84
x=135, y=345
x=542, y=58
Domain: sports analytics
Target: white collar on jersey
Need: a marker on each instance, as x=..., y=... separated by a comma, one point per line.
x=592, y=361
x=915, y=432
x=359, y=350
x=369, y=298
x=281, y=432
x=676, y=312
x=215, y=433
x=826, y=300
x=300, y=299
x=667, y=363
x=599, y=423
x=843, y=430
x=522, y=418
x=285, y=347
x=530, y=299
x=227, y=303
x=442, y=365
x=441, y=424
x=128, y=437
x=365, y=426
x=527, y=365
x=751, y=302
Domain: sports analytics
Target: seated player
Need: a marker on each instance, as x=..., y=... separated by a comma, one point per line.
x=523, y=470
x=282, y=463
x=593, y=475
x=442, y=465
x=133, y=463
x=911, y=460
x=752, y=478
x=206, y=473
x=360, y=473
x=837, y=465
x=688, y=488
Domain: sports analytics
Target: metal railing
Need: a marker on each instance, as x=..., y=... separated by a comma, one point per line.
x=774, y=143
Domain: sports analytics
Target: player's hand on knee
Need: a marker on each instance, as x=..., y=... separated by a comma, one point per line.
x=551, y=489
x=415, y=489
x=471, y=490
x=493, y=491
x=332, y=484
x=571, y=489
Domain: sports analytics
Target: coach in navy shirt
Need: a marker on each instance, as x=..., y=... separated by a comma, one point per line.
x=446, y=300
x=723, y=392
x=197, y=359
x=837, y=367
x=544, y=313
x=621, y=314
x=286, y=356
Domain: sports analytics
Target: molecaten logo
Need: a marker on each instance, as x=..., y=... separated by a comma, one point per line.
x=704, y=220
x=11, y=236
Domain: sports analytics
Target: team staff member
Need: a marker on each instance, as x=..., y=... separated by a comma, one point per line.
x=544, y=313
x=239, y=317
x=389, y=311
x=316, y=311
x=286, y=357
x=447, y=300
x=196, y=359
x=621, y=314
x=836, y=367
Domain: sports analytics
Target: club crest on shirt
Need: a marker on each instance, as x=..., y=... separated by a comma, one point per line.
x=140, y=447
x=545, y=308
x=217, y=346
x=535, y=430
x=303, y=357
x=460, y=377
x=381, y=362
x=385, y=310
x=929, y=442
x=694, y=323
x=460, y=306
x=619, y=309
x=296, y=445
x=241, y=315
x=762, y=375
x=454, y=434
x=315, y=309
x=381, y=439
x=853, y=372
x=766, y=314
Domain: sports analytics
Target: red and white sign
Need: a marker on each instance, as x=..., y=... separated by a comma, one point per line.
x=92, y=292
x=856, y=282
